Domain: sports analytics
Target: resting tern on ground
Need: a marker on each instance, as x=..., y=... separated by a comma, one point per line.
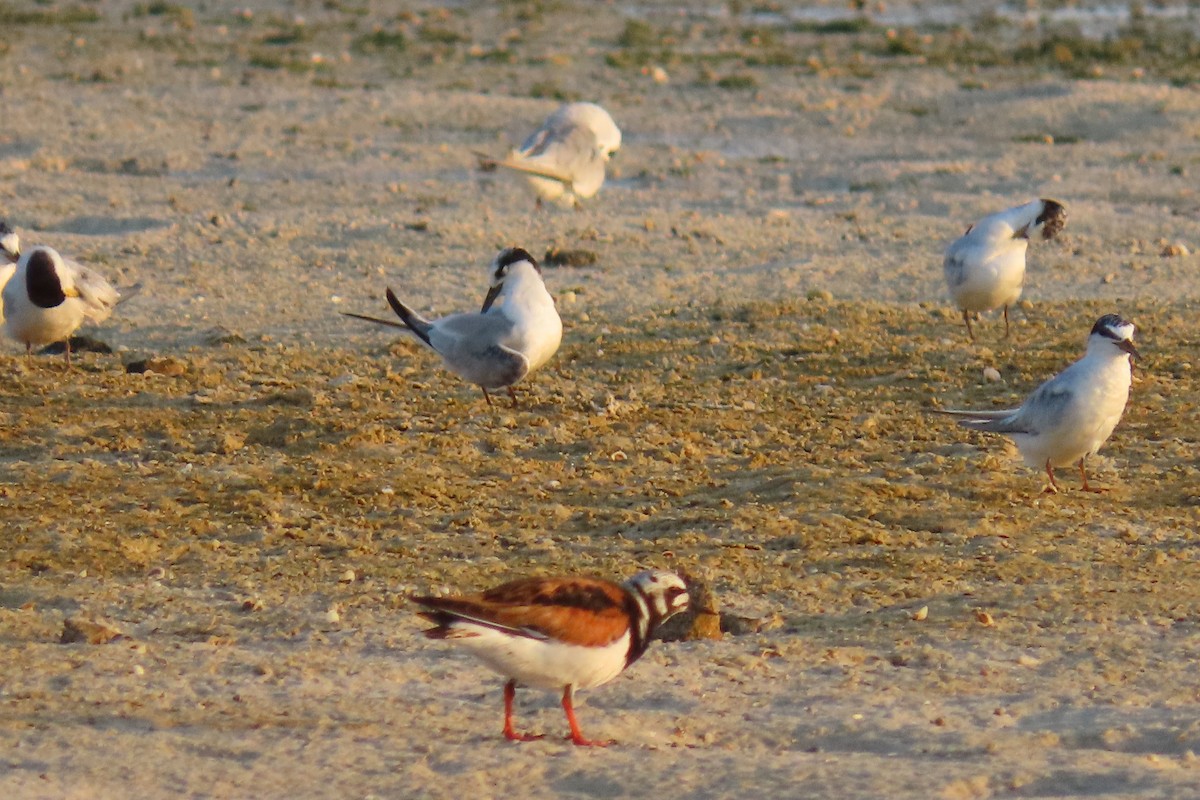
x=1070, y=416
x=517, y=330
x=564, y=159
x=985, y=267
x=48, y=297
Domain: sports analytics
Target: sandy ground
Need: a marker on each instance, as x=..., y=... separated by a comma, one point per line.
x=739, y=394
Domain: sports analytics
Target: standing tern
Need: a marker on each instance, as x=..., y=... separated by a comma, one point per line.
x=564, y=159
x=985, y=267
x=1070, y=416
x=515, y=332
x=48, y=297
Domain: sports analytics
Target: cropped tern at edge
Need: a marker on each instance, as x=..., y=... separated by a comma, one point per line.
x=985, y=267
x=565, y=158
x=47, y=297
x=517, y=330
x=1070, y=416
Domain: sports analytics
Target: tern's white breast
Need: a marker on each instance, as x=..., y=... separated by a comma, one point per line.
x=983, y=273
x=1100, y=390
x=6, y=272
x=31, y=324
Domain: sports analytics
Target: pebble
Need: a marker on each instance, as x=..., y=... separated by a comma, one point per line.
x=79, y=629
x=991, y=375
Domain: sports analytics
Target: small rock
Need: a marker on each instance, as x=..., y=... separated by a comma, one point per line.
x=1174, y=250
x=222, y=335
x=171, y=367
x=920, y=614
x=562, y=257
x=702, y=620
x=79, y=344
x=228, y=443
x=78, y=629
x=821, y=295
x=349, y=576
x=991, y=375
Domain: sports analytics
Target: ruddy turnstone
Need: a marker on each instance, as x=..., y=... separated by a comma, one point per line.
x=1070, y=416
x=985, y=267
x=560, y=634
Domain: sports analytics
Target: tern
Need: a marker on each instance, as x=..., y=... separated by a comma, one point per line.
x=564, y=160
x=985, y=267
x=1070, y=416
x=515, y=332
x=48, y=297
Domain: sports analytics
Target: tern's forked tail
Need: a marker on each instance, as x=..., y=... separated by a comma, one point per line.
x=415, y=322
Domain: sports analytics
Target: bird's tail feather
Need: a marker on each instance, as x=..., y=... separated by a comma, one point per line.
x=415, y=322
x=376, y=320
x=1000, y=421
x=128, y=293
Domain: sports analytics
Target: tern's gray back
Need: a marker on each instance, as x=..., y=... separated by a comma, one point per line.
x=474, y=346
x=1042, y=411
x=569, y=149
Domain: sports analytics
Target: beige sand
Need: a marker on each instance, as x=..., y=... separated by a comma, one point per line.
x=739, y=394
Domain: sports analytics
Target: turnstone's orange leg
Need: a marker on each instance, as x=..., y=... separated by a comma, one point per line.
x=510, y=691
x=1086, y=486
x=576, y=734
x=1053, y=487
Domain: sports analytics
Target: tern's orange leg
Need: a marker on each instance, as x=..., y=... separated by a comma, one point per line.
x=510, y=692
x=576, y=733
x=1086, y=486
x=1053, y=487
x=967, y=319
x=1006, y=322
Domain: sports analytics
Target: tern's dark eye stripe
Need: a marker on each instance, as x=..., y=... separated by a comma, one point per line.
x=1108, y=325
x=512, y=255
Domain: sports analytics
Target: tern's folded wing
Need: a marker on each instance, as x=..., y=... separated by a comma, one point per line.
x=97, y=293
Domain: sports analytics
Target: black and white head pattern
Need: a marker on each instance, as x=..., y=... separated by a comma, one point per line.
x=506, y=258
x=1052, y=219
x=1116, y=330
x=42, y=281
x=659, y=595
